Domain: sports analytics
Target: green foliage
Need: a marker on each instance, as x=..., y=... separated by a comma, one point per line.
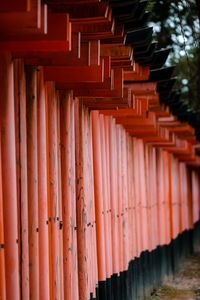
x=152, y=298
x=176, y=25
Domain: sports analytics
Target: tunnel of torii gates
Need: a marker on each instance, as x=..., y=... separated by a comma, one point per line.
x=99, y=165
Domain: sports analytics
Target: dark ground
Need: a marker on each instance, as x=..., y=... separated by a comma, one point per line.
x=184, y=285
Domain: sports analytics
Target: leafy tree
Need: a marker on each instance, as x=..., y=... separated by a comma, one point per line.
x=176, y=25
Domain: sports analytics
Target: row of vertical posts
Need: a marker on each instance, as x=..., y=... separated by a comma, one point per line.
x=79, y=197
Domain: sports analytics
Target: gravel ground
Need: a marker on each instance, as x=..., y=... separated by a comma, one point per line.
x=185, y=285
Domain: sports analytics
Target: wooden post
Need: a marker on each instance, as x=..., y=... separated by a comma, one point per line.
x=9, y=178
x=2, y=239
x=98, y=196
x=24, y=223
x=53, y=192
x=70, y=279
x=44, y=289
x=32, y=170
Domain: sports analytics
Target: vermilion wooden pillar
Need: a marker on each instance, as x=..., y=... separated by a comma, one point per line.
x=124, y=197
x=105, y=197
x=70, y=279
x=160, y=198
x=195, y=195
x=81, y=205
x=2, y=239
x=137, y=198
x=167, y=197
x=60, y=198
x=98, y=196
x=20, y=90
x=89, y=194
x=119, y=198
x=53, y=192
x=8, y=157
x=113, y=194
x=131, y=201
x=183, y=195
x=44, y=278
x=32, y=171
x=143, y=196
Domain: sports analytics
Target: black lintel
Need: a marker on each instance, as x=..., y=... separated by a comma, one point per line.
x=145, y=58
x=139, y=37
x=159, y=58
x=161, y=74
x=124, y=10
x=165, y=85
x=136, y=23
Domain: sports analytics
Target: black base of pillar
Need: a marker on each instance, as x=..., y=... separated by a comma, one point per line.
x=146, y=273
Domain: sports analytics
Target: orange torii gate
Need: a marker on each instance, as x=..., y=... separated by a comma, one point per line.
x=99, y=182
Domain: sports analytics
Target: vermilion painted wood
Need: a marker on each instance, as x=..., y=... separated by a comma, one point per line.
x=136, y=122
x=179, y=198
x=128, y=208
x=105, y=83
x=141, y=74
x=9, y=178
x=113, y=194
x=126, y=112
x=166, y=195
x=61, y=74
x=90, y=202
x=170, y=197
x=149, y=165
x=83, y=269
x=50, y=41
x=91, y=196
x=133, y=203
x=2, y=241
x=142, y=88
x=195, y=196
x=81, y=54
x=98, y=194
x=92, y=13
x=70, y=2
x=183, y=195
x=150, y=159
x=32, y=172
x=122, y=197
x=60, y=198
x=105, y=199
x=9, y=6
x=120, y=176
x=160, y=197
x=155, y=199
x=82, y=11
x=54, y=210
x=38, y=46
x=20, y=94
x=96, y=29
x=174, y=196
x=116, y=91
x=136, y=198
x=16, y=23
x=189, y=200
x=17, y=145
x=116, y=51
x=108, y=175
x=143, y=195
x=125, y=176
x=88, y=199
x=69, y=197
x=148, y=207
x=44, y=289
x=118, y=195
